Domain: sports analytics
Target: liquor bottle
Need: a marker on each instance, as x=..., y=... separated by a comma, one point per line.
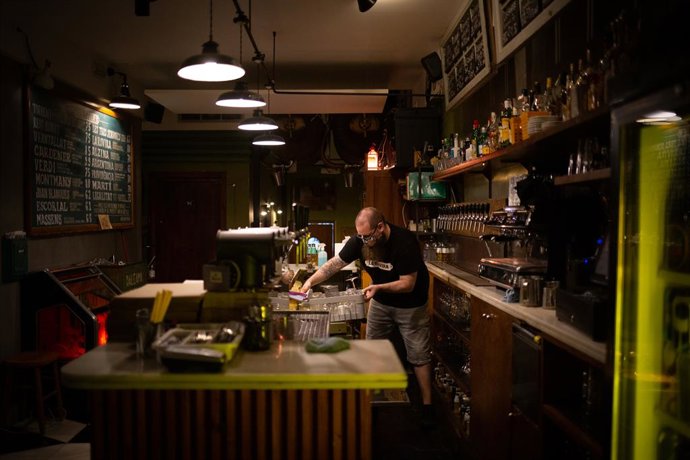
x=535, y=97
x=547, y=102
x=557, y=93
x=504, y=130
x=492, y=132
x=571, y=102
x=581, y=88
x=475, y=136
x=483, y=142
x=468, y=149
x=524, y=100
x=594, y=90
x=515, y=129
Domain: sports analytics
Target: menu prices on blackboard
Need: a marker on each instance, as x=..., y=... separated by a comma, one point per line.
x=465, y=52
x=80, y=166
x=516, y=20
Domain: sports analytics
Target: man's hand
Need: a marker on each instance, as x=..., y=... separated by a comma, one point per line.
x=305, y=287
x=370, y=291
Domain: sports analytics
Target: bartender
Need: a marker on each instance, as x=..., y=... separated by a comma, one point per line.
x=398, y=293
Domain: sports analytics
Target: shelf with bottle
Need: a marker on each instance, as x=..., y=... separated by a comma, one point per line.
x=450, y=349
x=535, y=145
x=454, y=401
x=590, y=176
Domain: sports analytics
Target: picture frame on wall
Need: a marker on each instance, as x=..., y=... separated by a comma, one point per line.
x=515, y=21
x=465, y=53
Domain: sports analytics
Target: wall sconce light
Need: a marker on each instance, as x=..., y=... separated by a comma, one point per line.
x=210, y=65
x=124, y=100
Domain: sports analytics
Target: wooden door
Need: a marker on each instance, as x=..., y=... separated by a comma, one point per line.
x=382, y=192
x=491, y=348
x=186, y=211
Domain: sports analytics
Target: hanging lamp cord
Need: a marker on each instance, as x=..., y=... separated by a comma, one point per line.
x=210, y=20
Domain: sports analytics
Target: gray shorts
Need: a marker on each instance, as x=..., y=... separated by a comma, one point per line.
x=413, y=324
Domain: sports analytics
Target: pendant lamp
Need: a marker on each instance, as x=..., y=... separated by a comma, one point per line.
x=240, y=97
x=258, y=122
x=268, y=140
x=210, y=65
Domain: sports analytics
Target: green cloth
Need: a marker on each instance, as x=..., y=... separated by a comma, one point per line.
x=329, y=345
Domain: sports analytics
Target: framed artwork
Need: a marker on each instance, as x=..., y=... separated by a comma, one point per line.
x=465, y=53
x=515, y=21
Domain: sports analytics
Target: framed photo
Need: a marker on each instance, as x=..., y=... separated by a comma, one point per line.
x=515, y=21
x=465, y=53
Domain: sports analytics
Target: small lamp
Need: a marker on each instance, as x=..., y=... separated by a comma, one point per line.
x=372, y=159
x=124, y=100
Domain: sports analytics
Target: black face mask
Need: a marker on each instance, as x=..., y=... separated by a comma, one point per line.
x=376, y=251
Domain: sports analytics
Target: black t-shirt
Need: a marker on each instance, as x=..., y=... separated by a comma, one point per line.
x=400, y=255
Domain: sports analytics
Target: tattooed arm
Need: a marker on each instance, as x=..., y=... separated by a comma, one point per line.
x=327, y=270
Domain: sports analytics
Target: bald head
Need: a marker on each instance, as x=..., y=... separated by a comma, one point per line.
x=369, y=216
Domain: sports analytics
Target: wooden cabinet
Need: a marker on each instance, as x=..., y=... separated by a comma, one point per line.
x=382, y=192
x=491, y=346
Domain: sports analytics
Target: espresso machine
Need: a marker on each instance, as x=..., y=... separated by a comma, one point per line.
x=247, y=258
x=521, y=230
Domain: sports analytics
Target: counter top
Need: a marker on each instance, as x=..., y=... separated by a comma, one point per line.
x=540, y=318
x=370, y=364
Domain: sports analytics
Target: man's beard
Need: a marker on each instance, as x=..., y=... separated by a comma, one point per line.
x=375, y=252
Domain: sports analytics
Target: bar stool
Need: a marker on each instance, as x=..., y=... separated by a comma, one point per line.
x=21, y=368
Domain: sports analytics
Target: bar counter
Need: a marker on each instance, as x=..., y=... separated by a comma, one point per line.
x=281, y=403
x=543, y=319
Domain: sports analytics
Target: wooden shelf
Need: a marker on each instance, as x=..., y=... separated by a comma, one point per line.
x=463, y=334
x=595, y=175
x=520, y=150
x=460, y=378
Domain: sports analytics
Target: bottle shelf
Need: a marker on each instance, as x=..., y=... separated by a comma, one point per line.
x=595, y=175
x=460, y=378
x=521, y=150
x=452, y=418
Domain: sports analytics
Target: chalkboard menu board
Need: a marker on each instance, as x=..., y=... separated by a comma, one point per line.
x=517, y=20
x=465, y=53
x=79, y=166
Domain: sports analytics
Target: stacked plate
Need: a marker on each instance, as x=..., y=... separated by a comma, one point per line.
x=535, y=124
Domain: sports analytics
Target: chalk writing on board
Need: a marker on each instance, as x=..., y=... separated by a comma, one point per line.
x=80, y=165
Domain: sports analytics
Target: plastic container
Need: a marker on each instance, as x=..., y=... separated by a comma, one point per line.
x=323, y=255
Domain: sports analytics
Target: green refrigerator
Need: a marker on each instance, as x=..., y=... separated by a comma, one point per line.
x=650, y=140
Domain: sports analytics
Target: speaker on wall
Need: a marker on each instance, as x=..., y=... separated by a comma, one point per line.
x=154, y=112
x=432, y=65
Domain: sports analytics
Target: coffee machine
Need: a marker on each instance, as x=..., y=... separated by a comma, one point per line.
x=579, y=257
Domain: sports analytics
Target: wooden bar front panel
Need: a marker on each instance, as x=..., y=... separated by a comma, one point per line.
x=233, y=424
